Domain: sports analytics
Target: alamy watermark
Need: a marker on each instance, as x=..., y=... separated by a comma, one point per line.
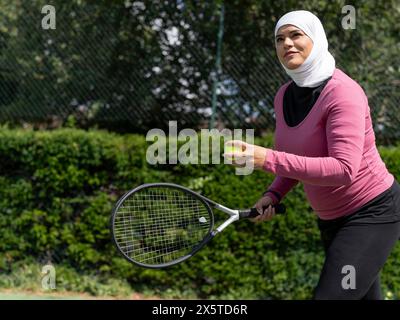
x=48, y=277
x=349, y=20
x=349, y=281
x=196, y=148
x=49, y=20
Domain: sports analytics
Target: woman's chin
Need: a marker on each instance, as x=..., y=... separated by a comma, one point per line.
x=292, y=65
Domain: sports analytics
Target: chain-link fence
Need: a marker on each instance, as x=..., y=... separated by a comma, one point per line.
x=132, y=66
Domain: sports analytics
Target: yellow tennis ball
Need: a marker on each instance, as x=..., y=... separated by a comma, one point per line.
x=232, y=149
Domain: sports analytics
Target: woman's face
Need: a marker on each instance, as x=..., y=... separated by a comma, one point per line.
x=292, y=46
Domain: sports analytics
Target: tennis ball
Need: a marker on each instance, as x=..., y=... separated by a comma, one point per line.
x=232, y=149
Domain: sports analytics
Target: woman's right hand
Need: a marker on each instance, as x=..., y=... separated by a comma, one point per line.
x=267, y=214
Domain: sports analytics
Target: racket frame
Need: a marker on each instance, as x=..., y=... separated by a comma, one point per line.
x=234, y=215
x=206, y=239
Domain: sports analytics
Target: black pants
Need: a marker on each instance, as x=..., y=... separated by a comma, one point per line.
x=357, y=247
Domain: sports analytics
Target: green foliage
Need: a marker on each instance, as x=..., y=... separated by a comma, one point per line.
x=113, y=66
x=57, y=189
x=26, y=275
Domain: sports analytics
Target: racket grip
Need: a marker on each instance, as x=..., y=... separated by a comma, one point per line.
x=280, y=208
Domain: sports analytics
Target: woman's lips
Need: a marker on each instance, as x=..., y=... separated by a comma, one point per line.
x=289, y=54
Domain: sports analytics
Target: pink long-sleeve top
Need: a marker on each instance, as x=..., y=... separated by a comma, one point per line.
x=332, y=151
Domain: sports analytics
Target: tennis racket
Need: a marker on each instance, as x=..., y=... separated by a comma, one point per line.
x=161, y=224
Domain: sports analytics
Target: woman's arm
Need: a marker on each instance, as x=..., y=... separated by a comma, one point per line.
x=282, y=186
x=345, y=131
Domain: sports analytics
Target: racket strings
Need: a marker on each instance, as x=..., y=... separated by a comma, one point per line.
x=159, y=225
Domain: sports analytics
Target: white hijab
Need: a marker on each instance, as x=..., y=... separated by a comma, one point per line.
x=320, y=64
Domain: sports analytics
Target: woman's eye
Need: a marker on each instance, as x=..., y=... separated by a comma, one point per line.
x=279, y=39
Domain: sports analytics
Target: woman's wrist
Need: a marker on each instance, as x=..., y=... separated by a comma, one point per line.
x=276, y=196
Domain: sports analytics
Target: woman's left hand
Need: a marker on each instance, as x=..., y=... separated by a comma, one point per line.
x=245, y=153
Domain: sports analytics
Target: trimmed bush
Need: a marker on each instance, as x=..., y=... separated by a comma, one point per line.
x=57, y=190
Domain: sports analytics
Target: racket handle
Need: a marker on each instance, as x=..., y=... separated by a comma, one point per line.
x=280, y=208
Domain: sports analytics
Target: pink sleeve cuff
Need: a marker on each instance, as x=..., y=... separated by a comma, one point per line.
x=267, y=161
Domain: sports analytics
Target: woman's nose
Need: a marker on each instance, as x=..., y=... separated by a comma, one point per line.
x=288, y=42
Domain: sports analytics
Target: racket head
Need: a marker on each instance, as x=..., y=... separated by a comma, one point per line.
x=157, y=225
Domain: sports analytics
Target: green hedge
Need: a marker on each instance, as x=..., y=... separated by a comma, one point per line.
x=57, y=189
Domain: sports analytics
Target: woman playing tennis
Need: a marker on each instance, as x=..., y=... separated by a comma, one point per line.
x=324, y=139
